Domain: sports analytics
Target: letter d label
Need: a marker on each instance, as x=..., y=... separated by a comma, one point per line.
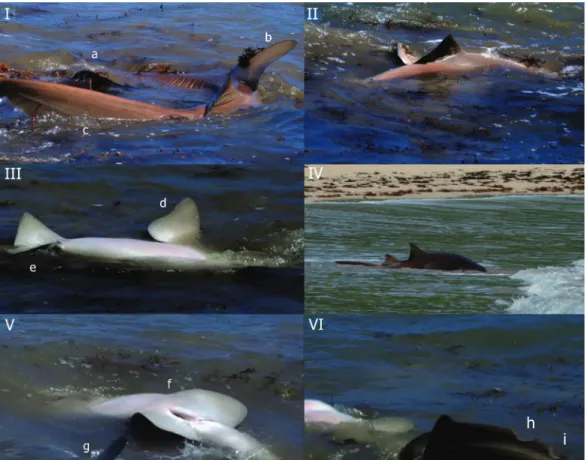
x=163, y=203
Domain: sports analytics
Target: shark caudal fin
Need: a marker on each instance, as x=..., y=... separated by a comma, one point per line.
x=32, y=234
x=390, y=260
x=114, y=449
x=180, y=226
x=448, y=47
x=244, y=77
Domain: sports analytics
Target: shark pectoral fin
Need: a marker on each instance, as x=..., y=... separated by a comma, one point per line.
x=358, y=431
x=448, y=47
x=180, y=226
x=414, y=251
x=394, y=425
x=90, y=80
x=32, y=234
x=114, y=449
x=390, y=260
x=166, y=420
x=406, y=56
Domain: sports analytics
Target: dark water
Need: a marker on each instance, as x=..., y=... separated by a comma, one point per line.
x=255, y=359
x=203, y=39
x=476, y=368
x=495, y=117
x=252, y=215
x=535, y=264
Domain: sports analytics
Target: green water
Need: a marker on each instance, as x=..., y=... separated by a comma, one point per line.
x=532, y=247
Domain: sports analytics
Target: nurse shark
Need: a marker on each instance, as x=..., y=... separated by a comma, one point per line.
x=84, y=96
x=177, y=244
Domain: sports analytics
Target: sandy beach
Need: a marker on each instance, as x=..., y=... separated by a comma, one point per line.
x=384, y=182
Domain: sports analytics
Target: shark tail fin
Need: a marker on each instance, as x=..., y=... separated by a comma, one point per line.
x=32, y=234
x=448, y=47
x=390, y=260
x=180, y=226
x=245, y=76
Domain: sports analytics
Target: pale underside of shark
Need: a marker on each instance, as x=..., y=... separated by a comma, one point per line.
x=70, y=100
x=447, y=58
x=203, y=416
x=176, y=247
x=448, y=440
x=323, y=418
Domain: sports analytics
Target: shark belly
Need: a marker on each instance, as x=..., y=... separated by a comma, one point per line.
x=133, y=251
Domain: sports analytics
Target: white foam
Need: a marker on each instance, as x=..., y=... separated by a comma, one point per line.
x=552, y=290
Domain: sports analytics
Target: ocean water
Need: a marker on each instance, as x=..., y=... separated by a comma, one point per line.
x=250, y=215
x=199, y=38
x=532, y=247
x=256, y=359
x=494, y=117
x=474, y=368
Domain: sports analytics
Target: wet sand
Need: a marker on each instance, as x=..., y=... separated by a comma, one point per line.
x=384, y=182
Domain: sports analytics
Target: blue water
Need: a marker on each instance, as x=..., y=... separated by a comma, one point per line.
x=198, y=38
x=493, y=117
x=255, y=359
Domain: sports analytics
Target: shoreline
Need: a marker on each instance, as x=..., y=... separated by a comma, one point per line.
x=351, y=183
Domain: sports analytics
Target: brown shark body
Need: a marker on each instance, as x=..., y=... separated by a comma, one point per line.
x=84, y=95
x=419, y=259
x=36, y=98
x=451, y=440
x=447, y=58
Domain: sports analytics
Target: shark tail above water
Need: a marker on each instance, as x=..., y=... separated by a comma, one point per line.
x=244, y=77
x=33, y=234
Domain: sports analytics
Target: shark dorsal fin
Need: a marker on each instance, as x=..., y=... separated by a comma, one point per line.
x=389, y=260
x=180, y=226
x=448, y=47
x=414, y=251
